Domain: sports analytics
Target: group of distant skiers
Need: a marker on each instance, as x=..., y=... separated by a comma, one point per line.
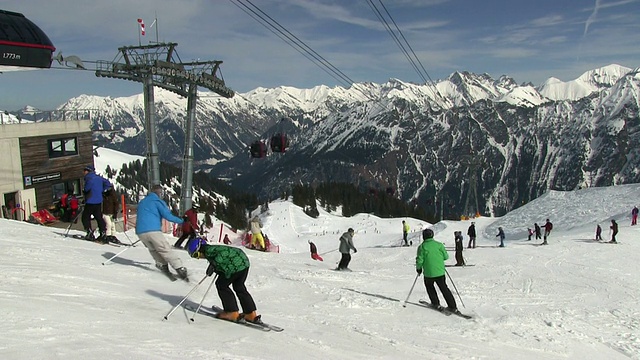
x=548, y=226
x=614, y=231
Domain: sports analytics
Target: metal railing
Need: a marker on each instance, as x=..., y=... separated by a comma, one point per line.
x=46, y=116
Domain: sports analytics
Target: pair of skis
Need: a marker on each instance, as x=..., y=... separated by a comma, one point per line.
x=215, y=310
x=444, y=310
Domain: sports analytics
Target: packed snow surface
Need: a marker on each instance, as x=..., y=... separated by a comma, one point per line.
x=572, y=299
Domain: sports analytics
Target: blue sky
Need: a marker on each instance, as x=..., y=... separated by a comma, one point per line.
x=527, y=40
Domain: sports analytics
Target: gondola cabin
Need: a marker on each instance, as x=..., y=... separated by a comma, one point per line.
x=279, y=143
x=22, y=43
x=258, y=149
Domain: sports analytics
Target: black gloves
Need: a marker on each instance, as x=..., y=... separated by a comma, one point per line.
x=185, y=217
x=419, y=271
x=211, y=269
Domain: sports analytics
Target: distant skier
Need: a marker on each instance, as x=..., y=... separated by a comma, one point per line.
x=405, y=233
x=314, y=251
x=63, y=206
x=459, y=241
x=472, y=235
x=231, y=265
x=267, y=243
x=530, y=232
x=501, y=235
x=634, y=216
x=614, y=231
x=226, y=240
x=346, y=245
x=538, y=231
x=548, y=226
x=189, y=226
x=94, y=186
x=598, y=233
x=257, y=241
x=430, y=262
x=110, y=207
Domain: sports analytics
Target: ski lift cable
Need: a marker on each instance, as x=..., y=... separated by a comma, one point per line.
x=430, y=83
x=304, y=46
x=395, y=38
x=273, y=26
x=319, y=60
x=299, y=45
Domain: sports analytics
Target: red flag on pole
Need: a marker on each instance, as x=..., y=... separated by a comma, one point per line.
x=141, y=26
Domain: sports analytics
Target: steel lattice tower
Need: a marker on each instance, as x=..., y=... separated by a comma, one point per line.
x=159, y=65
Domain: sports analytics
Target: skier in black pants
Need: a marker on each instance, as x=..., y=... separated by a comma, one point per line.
x=538, y=231
x=346, y=245
x=459, y=247
x=614, y=229
x=598, y=233
x=94, y=186
x=472, y=235
x=430, y=259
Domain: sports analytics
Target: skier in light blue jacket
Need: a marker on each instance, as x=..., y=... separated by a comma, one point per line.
x=151, y=210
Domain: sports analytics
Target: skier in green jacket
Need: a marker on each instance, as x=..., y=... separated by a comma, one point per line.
x=430, y=262
x=232, y=266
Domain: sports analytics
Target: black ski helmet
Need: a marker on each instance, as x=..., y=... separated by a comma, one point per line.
x=427, y=234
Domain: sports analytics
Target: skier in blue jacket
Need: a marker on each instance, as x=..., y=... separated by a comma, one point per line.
x=151, y=210
x=94, y=186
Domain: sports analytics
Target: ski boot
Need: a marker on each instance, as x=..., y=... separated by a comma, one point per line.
x=252, y=317
x=113, y=239
x=102, y=239
x=89, y=235
x=229, y=315
x=182, y=273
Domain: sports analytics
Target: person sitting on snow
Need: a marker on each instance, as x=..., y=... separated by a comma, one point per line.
x=314, y=251
x=226, y=240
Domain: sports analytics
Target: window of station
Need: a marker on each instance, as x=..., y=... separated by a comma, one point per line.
x=63, y=147
x=59, y=189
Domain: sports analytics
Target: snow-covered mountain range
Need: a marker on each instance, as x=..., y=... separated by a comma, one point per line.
x=419, y=139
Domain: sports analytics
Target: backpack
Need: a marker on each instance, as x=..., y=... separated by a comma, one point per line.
x=550, y=226
x=73, y=203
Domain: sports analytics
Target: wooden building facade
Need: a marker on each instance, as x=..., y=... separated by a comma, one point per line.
x=45, y=161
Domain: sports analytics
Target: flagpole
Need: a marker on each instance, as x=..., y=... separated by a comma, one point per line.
x=155, y=22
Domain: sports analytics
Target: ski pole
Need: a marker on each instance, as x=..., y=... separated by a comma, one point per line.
x=404, y=303
x=128, y=238
x=166, y=317
x=73, y=221
x=455, y=288
x=204, y=296
x=330, y=251
x=121, y=251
